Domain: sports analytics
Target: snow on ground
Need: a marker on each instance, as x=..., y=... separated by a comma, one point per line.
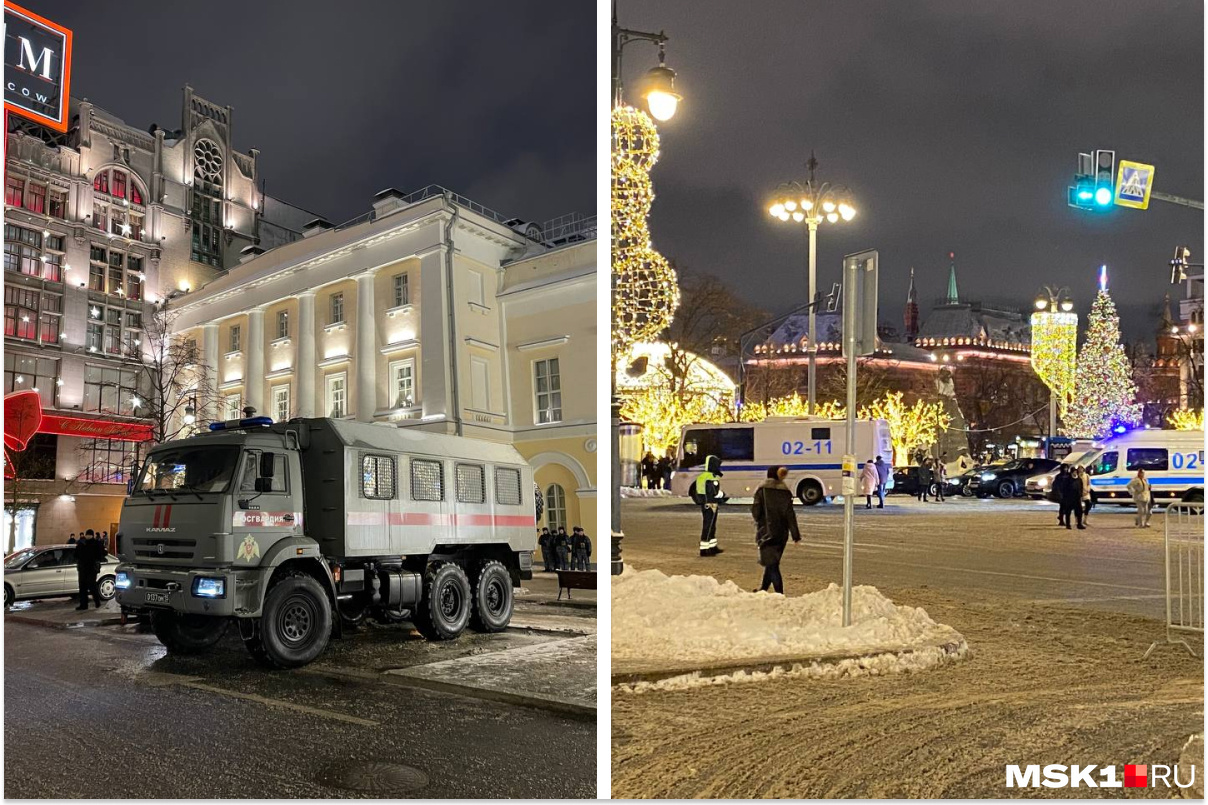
x=696, y=619
x=631, y=492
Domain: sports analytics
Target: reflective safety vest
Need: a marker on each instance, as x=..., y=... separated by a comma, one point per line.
x=701, y=481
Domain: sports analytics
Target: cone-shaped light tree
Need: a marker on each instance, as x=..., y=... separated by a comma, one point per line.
x=1104, y=392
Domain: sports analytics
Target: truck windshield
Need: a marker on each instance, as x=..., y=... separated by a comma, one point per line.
x=195, y=468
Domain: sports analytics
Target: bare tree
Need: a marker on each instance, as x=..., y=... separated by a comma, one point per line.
x=180, y=388
x=1000, y=399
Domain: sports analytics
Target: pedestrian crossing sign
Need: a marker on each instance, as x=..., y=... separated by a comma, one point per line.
x=1133, y=184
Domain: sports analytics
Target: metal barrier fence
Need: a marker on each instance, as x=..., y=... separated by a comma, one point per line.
x=1184, y=527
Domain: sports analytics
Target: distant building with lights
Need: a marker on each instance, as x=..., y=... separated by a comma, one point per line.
x=101, y=224
x=430, y=311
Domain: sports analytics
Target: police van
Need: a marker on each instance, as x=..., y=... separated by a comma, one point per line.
x=1173, y=461
x=811, y=448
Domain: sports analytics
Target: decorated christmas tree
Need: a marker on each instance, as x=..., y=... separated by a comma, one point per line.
x=1104, y=393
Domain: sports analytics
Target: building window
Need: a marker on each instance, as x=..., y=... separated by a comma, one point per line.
x=119, y=184
x=337, y=395
x=507, y=486
x=281, y=403
x=337, y=308
x=555, y=507
x=236, y=338
x=471, y=483
x=402, y=383
x=480, y=385
x=207, y=202
x=35, y=198
x=114, y=330
x=427, y=480
x=112, y=390
x=30, y=373
x=32, y=315
x=475, y=289
x=377, y=477
x=14, y=191
x=232, y=405
x=548, y=386
x=109, y=461
x=283, y=324
x=57, y=204
x=402, y=293
x=27, y=252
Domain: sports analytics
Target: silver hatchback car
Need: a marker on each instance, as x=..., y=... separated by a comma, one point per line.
x=49, y=571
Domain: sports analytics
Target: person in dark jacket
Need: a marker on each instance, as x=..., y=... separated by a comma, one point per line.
x=707, y=494
x=663, y=471
x=883, y=475
x=775, y=522
x=71, y=540
x=580, y=549
x=1068, y=491
x=649, y=466
x=562, y=549
x=88, y=555
x=547, y=549
x=926, y=476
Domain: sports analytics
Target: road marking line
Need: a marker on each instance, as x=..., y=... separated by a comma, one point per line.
x=301, y=708
x=1092, y=599
x=1029, y=576
x=161, y=679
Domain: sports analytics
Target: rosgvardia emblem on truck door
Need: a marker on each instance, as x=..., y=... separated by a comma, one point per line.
x=249, y=549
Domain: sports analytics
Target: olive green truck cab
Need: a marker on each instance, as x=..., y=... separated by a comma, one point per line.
x=295, y=531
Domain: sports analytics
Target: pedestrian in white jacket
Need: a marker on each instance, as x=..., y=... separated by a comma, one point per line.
x=1142, y=496
x=869, y=479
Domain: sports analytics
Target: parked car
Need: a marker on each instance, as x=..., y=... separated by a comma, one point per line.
x=1007, y=480
x=959, y=484
x=905, y=481
x=1193, y=495
x=49, y=571
x=1040, y=486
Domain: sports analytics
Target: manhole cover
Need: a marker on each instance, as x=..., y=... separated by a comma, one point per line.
x=373, y=777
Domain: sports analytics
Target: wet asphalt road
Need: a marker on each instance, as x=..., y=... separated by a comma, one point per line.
x=971, y=549
x=154, y=726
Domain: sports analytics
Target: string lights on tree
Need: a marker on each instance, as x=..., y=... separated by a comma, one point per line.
x=1055, y=347
x=1187, y=419
x=644, y=289
x=1104, y=398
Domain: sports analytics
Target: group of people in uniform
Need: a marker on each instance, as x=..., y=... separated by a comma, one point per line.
x=562, y=551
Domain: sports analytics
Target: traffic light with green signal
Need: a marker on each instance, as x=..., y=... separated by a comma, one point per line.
x=1094, y=185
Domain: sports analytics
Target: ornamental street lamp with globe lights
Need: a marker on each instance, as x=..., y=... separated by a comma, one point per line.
x=1054, y=347
x=644, y=291
x=812, y=203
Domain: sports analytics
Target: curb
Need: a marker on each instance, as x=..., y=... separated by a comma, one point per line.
x=554, y=705
x=765, y=666
x=46, y=624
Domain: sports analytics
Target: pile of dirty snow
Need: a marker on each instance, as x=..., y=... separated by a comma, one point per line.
x=697, y=619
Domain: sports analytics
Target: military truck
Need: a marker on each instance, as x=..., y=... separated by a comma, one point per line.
x=299, y=530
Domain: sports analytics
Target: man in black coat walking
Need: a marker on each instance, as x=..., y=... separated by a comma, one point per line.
x=1068, y=491
x=775, y=522
x=88, y=556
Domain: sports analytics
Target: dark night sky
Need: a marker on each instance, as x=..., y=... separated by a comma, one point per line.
x=492, y=100
x=957, y=126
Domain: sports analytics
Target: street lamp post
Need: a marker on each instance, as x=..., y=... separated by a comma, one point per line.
x=812, y=203
x=1054, y=345
x=662, y=102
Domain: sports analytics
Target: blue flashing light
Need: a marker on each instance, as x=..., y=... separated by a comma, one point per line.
x=1103, y=196
x=204, y=587
x=253, y=422
x=1120, y=429
x=122, y=580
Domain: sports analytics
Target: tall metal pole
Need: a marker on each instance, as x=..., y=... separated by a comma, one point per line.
x=811, y=372
x=851, y=274
x=1052, y=416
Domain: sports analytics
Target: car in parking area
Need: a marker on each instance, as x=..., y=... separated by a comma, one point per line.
x=1008, y=480
x=1040, y=485
x=49, y=571
x=959, y=484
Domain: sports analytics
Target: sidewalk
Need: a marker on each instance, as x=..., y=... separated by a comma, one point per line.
x=61, y=613
x=542, y=589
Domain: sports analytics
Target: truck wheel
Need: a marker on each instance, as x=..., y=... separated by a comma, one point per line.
x=186, y=634
x=8, y=596
x=1006, y=489
x=296, y=623
x=810, y=493
x=492, y=598
x=445, y=608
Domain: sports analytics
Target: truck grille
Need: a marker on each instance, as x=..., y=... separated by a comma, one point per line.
x=149, y=548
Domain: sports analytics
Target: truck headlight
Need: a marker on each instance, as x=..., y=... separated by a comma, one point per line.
x=122, y=580
x=204, y=587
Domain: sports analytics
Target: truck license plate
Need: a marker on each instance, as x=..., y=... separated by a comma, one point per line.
x=157, y=598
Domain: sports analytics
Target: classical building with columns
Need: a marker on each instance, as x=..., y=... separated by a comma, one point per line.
x=431, y=311
x=101, y=223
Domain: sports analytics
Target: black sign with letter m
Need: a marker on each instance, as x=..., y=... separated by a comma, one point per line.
x=37, y=67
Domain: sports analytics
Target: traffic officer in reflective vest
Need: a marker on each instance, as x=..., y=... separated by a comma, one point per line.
x=707, y=494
